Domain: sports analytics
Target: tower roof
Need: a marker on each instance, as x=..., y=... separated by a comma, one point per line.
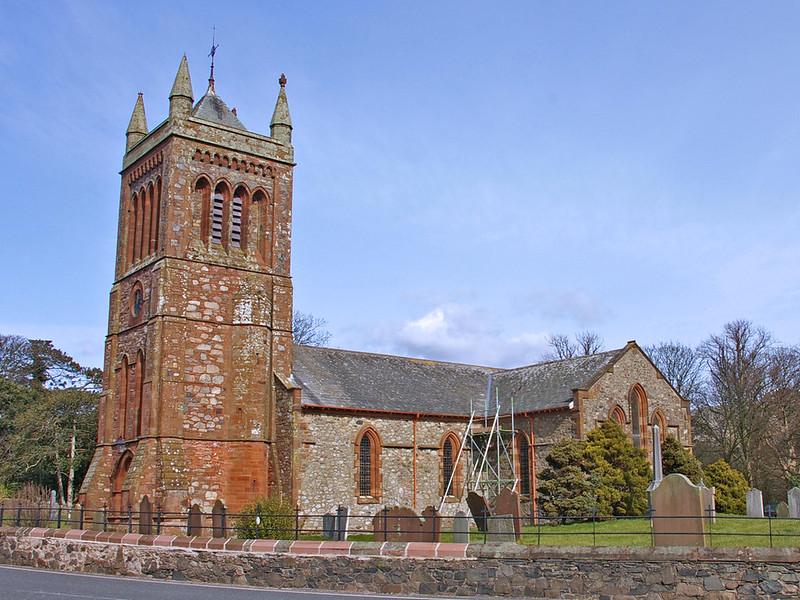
x=212, y=108
x=281, y=115
x=183, y=81
x=138, y=122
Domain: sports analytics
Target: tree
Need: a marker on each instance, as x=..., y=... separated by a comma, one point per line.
x=561, y=347
x=782, y=438
x=733, y=410
x=676, y=459
x=682, y=367
x=37, y=363
x=564, y=486
x=731, y=487
x=620, y=471
x=309, y=330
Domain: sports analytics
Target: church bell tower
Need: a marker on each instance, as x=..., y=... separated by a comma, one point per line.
x=199, y=332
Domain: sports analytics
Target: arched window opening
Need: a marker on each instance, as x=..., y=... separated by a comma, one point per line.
x=137, y=228
x=263, y=240
x=617, y=415
x=131, y=230
x=659, y=419
x=139, y=391
x=155, y=215
x=451, y=483
x=524, y=450
x=123, y=396
x=202, y=193
x=638, y=407
x=147, y=197
x=368, y=472
x=219, y=208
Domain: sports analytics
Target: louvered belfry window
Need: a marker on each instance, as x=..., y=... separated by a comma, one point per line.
x=236, y=222
x=365, y=467
x=217, y=210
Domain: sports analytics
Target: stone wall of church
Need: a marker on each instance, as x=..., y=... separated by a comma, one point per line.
x=328, y=462
x=613, y=389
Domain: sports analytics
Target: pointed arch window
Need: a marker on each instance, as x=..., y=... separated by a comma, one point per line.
x=131, y=232
x=659, y=419
x=217, y=216
x=239, y=213
x=638, y=406
x=368, y=473
x=155, y=204
x=123, y=396
x=617, y=415
x=451, y=483
x=202, y=193
x=139, y=391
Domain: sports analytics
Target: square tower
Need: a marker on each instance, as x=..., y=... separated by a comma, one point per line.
x=200, y=313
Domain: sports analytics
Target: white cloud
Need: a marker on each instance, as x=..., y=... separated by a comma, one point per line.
x=461, y=333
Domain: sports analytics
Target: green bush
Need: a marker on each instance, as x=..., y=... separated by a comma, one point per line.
x=604, y=473
x=676, y=459
x=266, y=518
x=731, y=487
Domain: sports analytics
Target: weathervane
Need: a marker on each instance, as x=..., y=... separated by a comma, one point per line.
x=213, y=52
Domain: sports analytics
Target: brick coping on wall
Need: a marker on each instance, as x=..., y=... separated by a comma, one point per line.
x=418, y=550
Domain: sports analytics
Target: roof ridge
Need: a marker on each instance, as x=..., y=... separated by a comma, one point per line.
x=562, y=360
x=401, y=357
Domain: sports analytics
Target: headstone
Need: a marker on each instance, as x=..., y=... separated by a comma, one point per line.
x=782, y=510
x=195, y=525
x=709, y=501
x=401, y=524
x=461, y=528
x=53, y=506
x=500, y=529
x=755, y=503
x=794, y=503
x=329, y=526
x=678, y=512
x=219, y=520
x=479, y=509
x=506, y=503
x=145, y=516
x=342, y=522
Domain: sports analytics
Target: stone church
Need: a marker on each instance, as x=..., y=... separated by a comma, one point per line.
x=208, y=402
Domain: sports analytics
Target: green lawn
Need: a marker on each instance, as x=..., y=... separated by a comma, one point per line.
x=728, y=531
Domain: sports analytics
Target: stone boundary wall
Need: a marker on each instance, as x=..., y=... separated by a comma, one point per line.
x=417, y=568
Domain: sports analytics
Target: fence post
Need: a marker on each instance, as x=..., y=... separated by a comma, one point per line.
x=58, y=518
x=296, y=521
x=538, y=525
x=19, y=516
x=710, y=533
x=130, y=519
x=159, y=517
x=652, y=513
x=594, y=526
x=224, y=521
x=485, y=524
x=189, y=522
x=105, y=517
x=80, y=516
x=769, y=518
x=2, y=510
x=385, y=524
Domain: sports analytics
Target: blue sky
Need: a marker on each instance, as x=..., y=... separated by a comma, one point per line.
x=471, y=176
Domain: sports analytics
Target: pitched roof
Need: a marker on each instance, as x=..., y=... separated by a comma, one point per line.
x=359, y=380
x=549, y=384
x=334, y=378
x=212, y=108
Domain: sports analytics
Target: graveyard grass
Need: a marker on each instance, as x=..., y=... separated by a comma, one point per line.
x=732, y=531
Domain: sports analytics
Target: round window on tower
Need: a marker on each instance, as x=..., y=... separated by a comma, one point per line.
x=137, y=301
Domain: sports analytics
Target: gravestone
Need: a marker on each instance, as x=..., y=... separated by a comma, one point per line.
x=755, y=503
x=342, y=523
x=679, y=517
x=782, y=510
x=219, y=520
x=506, y=503
x=460, y=528
x=195, y=524
x=329, y=526
x=709, y=501
x=500, y=529
x=479, y=509
x=145, y=516
x=794, y=503
x=401, y=524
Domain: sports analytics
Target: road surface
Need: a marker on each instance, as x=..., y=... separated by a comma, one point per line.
x=20, y=583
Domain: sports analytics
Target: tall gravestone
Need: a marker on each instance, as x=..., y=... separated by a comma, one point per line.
x=794, y=503
x=755, y=503
x=782, y=510
x=658, y=469
x=678, y=513
x=461, y=528
x=506, y=504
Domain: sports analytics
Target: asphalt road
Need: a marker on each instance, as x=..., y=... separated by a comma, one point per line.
x=17, y=583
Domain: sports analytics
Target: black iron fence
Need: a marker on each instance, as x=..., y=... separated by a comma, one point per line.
x=385, y=525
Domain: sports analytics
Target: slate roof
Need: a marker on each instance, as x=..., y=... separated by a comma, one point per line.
x=344, y=379
x=212, y=108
